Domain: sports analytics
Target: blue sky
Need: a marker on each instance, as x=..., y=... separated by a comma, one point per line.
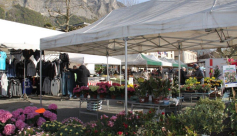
x=143, y=0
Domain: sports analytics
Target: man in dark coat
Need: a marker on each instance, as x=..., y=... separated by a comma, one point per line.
x=183, y=76
x=82, y=75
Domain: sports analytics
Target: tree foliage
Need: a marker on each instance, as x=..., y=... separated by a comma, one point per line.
x=2, y=13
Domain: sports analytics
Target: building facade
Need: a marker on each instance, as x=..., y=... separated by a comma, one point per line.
x=167, y=55
x=186, y=56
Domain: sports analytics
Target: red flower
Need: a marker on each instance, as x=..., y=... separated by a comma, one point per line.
x=120, y=133
x=125, y=125
x=169, y=89
x=126, y=133
x=163, y=113
x=149, y=111
x=134, y=132
x=96, y=131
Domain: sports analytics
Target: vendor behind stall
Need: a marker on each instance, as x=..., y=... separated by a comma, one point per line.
x=82, y=75
x=198, y=74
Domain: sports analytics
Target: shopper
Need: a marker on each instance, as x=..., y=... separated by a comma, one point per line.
x=160, y=72
x=198, y=74
x=82, y=75
x=183, y=76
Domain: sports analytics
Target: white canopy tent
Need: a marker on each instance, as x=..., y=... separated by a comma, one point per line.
x=21, y=36
x=156, y=25
x=142, y=60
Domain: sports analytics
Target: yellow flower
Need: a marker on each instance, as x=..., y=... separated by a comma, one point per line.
x=213, y=78
x=194, y=78
x=205, y=79
x=190, y=78
x=197, y=82
x=130, y=85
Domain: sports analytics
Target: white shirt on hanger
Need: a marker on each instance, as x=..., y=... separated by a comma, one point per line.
x=55, y=86
x=4, y=83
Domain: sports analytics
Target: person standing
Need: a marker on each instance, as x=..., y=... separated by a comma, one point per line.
x=198, y=74
x=82, y=75
x=183, y=76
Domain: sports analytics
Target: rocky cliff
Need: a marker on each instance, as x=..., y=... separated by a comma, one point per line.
x=86, y=8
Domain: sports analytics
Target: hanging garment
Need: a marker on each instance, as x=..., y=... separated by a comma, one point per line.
x=31, y=70
x=46, y=86
x=3, y=57
x=37, y=54
x=28, y=86
x=16, y=53
x=27, y=53
x=15, y=88
x=67, y=83
x=55, y=86
x=10, y=70
x=4, y=84
x=20, y=69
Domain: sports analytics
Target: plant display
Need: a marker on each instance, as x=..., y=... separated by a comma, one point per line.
x=93, y=89
x=131, y=90
x=84, y=90
x=19, y=119
x=112, y=90
x=76, y=91
x=202, y=117
x=217, y=72
x=191, y=81
x=103, y=87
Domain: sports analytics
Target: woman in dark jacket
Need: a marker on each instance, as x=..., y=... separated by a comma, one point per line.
x=183, y=76
x=82, y=75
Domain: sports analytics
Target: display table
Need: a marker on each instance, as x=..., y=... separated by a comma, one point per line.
x=191, y=95
x=135, y=104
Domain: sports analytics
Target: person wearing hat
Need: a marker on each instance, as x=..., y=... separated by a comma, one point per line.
x=198, y=74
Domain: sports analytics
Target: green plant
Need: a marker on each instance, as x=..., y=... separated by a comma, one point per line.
x=70, y=130
x=206, y=117
x=217, y=72
x=51, y=126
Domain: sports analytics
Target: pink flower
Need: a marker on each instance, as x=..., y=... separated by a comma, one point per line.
x=29, y=109
x=104, y=117
x=20, y=124
x=9, y=129
x=4, y=116
x=110, y=123
x=40, y=121
x=53, y=107
x=50, y=115
x=122, y=113
x=13, y=120
x=114, y=118
x=17, y=112
x=72, y=119
x=93, y=125
x=21, y=117
x=32, y=115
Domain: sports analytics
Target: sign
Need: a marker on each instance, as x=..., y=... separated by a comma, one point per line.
x=130, y=81
x=229, y=73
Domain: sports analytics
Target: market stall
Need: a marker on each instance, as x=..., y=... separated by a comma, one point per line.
x=19, y=47
x=153, y=26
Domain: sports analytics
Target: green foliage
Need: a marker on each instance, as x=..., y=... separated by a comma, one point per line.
x=51, y=126
x=232, y=110
x=70, y=130
x=26, y=16
x=2, y=13
x=206, y=117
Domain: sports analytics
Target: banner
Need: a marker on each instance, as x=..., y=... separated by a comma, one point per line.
x=229, y=73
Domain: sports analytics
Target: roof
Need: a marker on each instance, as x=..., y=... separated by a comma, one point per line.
x=156, y=25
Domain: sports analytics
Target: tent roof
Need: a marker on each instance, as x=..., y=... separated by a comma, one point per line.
x=21, y=36
x=89, y=59
x=164, y=63
x=139, y=60
x=156, y=25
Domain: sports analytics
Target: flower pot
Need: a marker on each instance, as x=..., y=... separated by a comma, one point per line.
x=129, y=96
x=147, y=99
x=78, y=95
x=142, y=99
x=102, y=96
x=166, y=101
x=94, y=96
x=156, y=100
x=122, y=95
x=85, y=95
x=113, y=97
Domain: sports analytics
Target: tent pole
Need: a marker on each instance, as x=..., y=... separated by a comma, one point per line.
x=40, y=78
x=126, y=76
x=179, y=72
x=107, y=67
x=120, y=72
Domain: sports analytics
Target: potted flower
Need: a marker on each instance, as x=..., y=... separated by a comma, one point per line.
x=198, y=88
x=112, y=92
x=93, y=91
x=131, y=92
x=76, y=91
x=103, y=89
x=85, y=91
x=141, y=93
x=122, y=90
x=157, y=95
